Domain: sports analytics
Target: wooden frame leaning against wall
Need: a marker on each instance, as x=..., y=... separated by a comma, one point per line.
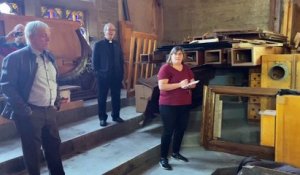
x=211, y=118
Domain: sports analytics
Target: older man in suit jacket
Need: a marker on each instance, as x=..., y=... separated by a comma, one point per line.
x=28, y=81
x=108, y=64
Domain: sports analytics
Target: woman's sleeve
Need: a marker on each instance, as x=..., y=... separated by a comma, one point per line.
x=163, y=73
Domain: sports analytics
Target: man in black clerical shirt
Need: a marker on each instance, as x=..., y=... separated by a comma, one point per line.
x=108, y=65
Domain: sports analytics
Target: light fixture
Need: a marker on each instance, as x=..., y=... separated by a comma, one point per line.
x=5, y=8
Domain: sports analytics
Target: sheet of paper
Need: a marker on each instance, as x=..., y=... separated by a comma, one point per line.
x=192, y=83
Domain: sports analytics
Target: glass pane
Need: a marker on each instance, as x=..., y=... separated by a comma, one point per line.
x=75, y=15
x=53, y=13
x=237, y=118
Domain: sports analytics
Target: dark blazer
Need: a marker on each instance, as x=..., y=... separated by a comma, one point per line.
x=17, y=76
x=101, y=59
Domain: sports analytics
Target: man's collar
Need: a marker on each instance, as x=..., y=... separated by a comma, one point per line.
x=36, y=52
x=109, y=41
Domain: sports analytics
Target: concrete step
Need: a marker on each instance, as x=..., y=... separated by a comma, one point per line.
x=89, y=108
x=76, y=137
x=87, y=147
x=201, y=162
x=132, y=154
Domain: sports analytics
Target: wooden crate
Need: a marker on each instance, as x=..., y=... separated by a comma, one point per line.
x=213, y=56
x=251, y=56
x=193, y=57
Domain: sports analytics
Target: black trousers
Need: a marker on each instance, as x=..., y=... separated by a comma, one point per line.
x=114, y=85
x=175, y=120
x=36, y=130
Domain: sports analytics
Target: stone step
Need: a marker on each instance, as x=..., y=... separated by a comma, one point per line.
x=89, y=108
x=131, y=154
x=84, y=139
x=201, y=162
x=76, y=137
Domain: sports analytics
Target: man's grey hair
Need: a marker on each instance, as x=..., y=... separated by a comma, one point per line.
x=32, y=27
x=105, y=28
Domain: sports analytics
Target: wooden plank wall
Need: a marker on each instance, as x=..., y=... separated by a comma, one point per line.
x=140, y=43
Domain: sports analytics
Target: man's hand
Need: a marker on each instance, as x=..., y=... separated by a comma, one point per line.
x=3, y=120
x=10, y=35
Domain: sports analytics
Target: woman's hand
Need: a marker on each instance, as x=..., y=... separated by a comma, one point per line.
x=192, y=86
x=189, y=85
x=183, y=83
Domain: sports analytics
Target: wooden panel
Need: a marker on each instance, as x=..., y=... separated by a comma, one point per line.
x=66, y=49
x=297, y=72
x=140, y=44
x=246, y=91
x=137, y=58
x=142, y=96
x=267, y=128
x=125, y=39
x=218, y=117
x=130, y=65
x=277, y=71
x=267, y=103
x=254, y=77
x=287, y=141
x=253, y=111
x=254, y=102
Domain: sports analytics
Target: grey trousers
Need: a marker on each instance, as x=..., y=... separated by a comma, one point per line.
x=36, y=130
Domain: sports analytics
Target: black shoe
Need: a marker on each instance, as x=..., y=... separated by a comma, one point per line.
x=164, y=163
x=103, y=123
x=118, y=119
x=179, y=157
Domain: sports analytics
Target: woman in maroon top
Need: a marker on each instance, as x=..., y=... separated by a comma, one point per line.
x=174, y=103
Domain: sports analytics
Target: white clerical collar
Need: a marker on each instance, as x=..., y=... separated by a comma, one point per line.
x=109, y=41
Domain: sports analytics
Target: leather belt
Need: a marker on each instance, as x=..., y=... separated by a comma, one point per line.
x=40, y=107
